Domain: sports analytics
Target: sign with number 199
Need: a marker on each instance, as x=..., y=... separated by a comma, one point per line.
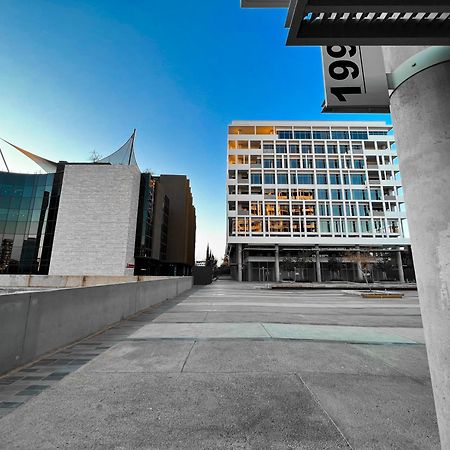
x=355, y=79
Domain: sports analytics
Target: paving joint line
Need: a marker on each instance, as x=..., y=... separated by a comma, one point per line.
x=189, y=354
x=316, y=399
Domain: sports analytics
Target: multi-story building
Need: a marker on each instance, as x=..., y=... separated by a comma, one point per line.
x=101, y=218
x=322, y=197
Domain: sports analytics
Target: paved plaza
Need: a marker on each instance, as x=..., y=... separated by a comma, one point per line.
x=234, y=366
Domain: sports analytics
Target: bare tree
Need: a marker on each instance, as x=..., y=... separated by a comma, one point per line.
x=365, y=261
x=95, y=157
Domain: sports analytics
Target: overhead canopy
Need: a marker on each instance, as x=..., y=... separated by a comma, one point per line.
x=45, y=164
x=124, y=156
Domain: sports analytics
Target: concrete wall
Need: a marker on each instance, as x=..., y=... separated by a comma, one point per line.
x=96, y=225
x=32, y=324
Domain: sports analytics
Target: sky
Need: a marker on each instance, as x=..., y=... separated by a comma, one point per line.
x=80, y=75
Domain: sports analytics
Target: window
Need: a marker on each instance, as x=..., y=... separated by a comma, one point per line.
x=344, y=148
x=283, y=210
x=321, y=164
x=231, y=159
x=358, y=164
x=311, y=226
x=281, y=148
x=338, y=210
x=339, y=226
x=267, y=146
x=305, y=179
x=322, y=194
x=270, y=209
x=364, y=210
x=336, y=194
x=339, y=134
x=294, y=164
x=324, y=209
x=268, y=163
x=285, y=134
x=335, y=178
x=306, y=148
x=366, y=226
x=347, y=194
x=269, y=178
x=333, y=164
x=345, y=179
x=282, y=178
x=279, y=163
x=357, y=178
x=294, y=148
x=357, y=149
x=375, y=194
x=319, y=148
x=359, y=194
x=377, y=133
x=325, y=226
x=322, y=178
x=321, y=134
x=302, y=134
x=332, y=148
x=308, y=163
x=256, y=178
x=359, y=135
x=352, y=226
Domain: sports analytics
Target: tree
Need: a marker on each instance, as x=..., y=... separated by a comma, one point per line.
x=287, y=264
x=95, y=157
x=365, y=261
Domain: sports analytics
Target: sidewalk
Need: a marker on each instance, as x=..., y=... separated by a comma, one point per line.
x=231, y=366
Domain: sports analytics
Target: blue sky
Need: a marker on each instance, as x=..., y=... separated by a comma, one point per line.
x=80, y=75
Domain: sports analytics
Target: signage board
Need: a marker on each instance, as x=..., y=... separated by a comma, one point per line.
x=355, y=79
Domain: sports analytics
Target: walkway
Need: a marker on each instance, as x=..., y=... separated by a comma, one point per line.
x=234, y=366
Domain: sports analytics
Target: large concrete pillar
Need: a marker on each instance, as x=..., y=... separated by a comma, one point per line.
x=239, y=261
x=318, y=271
x=420, y=110
x=277, y=263
x=359, y=271
x=401, y=274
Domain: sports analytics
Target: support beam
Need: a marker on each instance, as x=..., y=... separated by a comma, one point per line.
x=420, y=110
x=277, y=263
x=318, y=271
x=401, y=274
x=239, y=261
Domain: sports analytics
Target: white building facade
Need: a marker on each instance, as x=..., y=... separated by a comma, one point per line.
x=323, y=197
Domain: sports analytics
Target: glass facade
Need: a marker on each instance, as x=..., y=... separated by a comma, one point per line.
x=28, y=209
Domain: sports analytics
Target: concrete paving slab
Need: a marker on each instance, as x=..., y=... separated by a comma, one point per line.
x=282, y=357
x=174, y=317
x=410, y=360
x=378, y=412
x=153, y=356
x=416, y=334
x=334, y=333
x=200, y=331
x=184, y=411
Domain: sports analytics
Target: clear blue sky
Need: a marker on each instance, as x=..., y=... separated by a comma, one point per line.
x=78, y=75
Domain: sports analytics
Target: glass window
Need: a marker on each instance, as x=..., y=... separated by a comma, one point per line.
x=302, y=134
x=339, y=134
x=333, y=164
x=325, y=226
x=366, y=226
x=347, y=194
x=294, y=148
x=359, y=135
x=285, y=134
x=377, y=133
x=281, y=148
x=359, y=194
x=306, y=148
x=332, y=148
x=338, y=210
x=319, y=148
x=282, y=178
x=269, y=178
x=279, y=163
x=324, y=209
x=335, y=178
x=336, y=194
x=305, y=179
x=308, y=163
x=322, y=178
x=267, y=146
x=375, y=194
x=294, y=164
x=358, y=164
x=321, y=163
x=322, y=194
x=364, y=210
x=268, y=163
x=357, y=178
x=321, y=134
x=256, y=178
x=344, y=148
x=352, y=226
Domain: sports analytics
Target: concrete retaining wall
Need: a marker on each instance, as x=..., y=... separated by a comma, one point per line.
x=35, y=323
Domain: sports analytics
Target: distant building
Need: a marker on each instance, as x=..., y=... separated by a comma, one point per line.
x=102, y=218
x=315, y=201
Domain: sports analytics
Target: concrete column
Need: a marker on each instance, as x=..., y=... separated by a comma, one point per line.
x=359, y=271
x=277, y=263
x=401, y=274
x=420, y=110
x=318, y=271
x=239, y=261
